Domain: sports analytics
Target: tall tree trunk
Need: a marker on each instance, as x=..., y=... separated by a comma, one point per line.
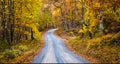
x=3, y=19
x=32, y=34
x=19, y=27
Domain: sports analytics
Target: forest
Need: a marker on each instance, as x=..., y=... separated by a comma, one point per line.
x=92, y=25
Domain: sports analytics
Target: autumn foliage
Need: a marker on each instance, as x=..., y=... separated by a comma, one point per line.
x=23, y=20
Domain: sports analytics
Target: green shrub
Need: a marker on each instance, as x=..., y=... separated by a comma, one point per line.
x=23, y=48
x=71, y=33
x=11, y=53
x=3, y=44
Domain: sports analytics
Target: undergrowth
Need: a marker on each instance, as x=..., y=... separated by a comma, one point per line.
x=106, y=48
x=22, y=52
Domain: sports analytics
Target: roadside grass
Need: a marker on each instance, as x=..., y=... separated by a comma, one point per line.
x=23, y=52
x=106, y=49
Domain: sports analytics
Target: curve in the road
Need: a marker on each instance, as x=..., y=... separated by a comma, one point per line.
x=55, y=51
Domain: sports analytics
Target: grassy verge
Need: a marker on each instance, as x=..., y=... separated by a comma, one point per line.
x=105, y=49
x=23, y=52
